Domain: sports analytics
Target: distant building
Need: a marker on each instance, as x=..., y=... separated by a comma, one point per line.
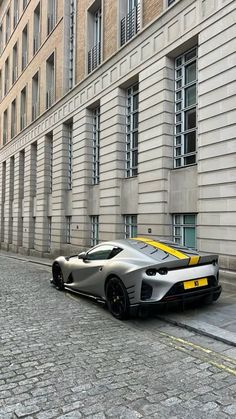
x=117, y=119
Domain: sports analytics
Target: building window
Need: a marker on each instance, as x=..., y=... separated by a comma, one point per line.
x=13, y=118
x=185, y=109
x=132, y=131
x=50, y=81
x=1, y=39
x=94, y=55
x=51, y=15
x=49, y=233
x=94, y=230
x=6, y=87
x=23, y=116
x=96, y=146
x=24, y=47
x=33, y=169
x=130, y=222
x=70, y=155
x=72, y=44
x=36, y=36
x=68, y=229
x=130, y=23
x=49, y=143
x=5, y=127
x=16, y=13
x=25, y=2
x=35, y=96
x=184, y=229
x=8, y=25
x=169, y=2
x=15, y=63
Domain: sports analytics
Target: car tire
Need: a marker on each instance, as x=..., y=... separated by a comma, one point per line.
x=58, y=278
x=117, y=299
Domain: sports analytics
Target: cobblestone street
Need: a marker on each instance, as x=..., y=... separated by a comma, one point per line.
x=62, y=356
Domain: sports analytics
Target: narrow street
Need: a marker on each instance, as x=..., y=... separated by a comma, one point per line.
x=62, y=356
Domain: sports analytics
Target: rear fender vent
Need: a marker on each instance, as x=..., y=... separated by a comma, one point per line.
x=146, y=291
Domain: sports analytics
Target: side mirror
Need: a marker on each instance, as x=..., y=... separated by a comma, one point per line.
x=82, y=255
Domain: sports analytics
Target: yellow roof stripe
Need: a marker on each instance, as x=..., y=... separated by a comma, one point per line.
x=164, y=247
x=194, y=260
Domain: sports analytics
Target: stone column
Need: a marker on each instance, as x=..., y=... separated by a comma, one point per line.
x=17, y=203
x=9, y=190
x=2, y=198
x=112, y=164
x=82, y=169
x=41, y=241
x=29, y=192
x=61, y=196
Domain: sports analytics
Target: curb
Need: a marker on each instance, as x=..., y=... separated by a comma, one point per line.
x=231, y=341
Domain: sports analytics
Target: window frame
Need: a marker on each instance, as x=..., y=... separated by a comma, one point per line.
x=130, y=225
x=94, y=219
x=132, y=131
x=182, y=226
x=181, y=132
x=96, y=146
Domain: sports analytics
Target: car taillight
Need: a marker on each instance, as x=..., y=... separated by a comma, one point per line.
x=151, y=272
x=163, y=271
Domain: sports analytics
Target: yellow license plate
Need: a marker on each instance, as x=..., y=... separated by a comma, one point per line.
x=195, y=283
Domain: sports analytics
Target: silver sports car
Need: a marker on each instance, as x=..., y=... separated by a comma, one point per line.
x=136, y=273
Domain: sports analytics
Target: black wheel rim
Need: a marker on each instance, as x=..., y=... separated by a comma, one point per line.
x=59, y=280
x=116, y=298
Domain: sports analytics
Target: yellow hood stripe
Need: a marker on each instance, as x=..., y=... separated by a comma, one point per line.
x=193, y=260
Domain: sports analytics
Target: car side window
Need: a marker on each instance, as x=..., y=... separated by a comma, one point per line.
x=103, y=253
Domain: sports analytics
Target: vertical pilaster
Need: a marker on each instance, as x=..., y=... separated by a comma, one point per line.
x=112, y=163
x=155, y=146
x=43, y=189
x=82, y=169
x=17, y=202
x=29, y=192
x=9, y=190
x=60, y=192
x=2, y=198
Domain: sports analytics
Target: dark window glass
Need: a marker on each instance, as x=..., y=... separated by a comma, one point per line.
x=103, y=253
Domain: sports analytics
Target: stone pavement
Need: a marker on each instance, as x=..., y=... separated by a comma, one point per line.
x=217, y=320
x=64, y=357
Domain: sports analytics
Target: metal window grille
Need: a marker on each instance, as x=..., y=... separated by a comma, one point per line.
x=35, y=110
x=72, y=44
x=94, y=230
x=96, y=146
x=94, y=57
x=70, y=155
x=130, y=24
x=185, y=109
x=50, y=165
x=132, y=131
x=68, y=229
x=33, y=230
x=130, y=222
x=14, y=74
x=23, y=121
x=49, y=97
x=13, y=119
x=16, y=17
x=36, y=42
x=184, y=229
x=24, y=59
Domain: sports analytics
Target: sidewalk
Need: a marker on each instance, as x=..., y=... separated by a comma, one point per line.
x=217, y=320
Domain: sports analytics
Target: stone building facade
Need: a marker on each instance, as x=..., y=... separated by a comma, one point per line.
x=117, y=119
